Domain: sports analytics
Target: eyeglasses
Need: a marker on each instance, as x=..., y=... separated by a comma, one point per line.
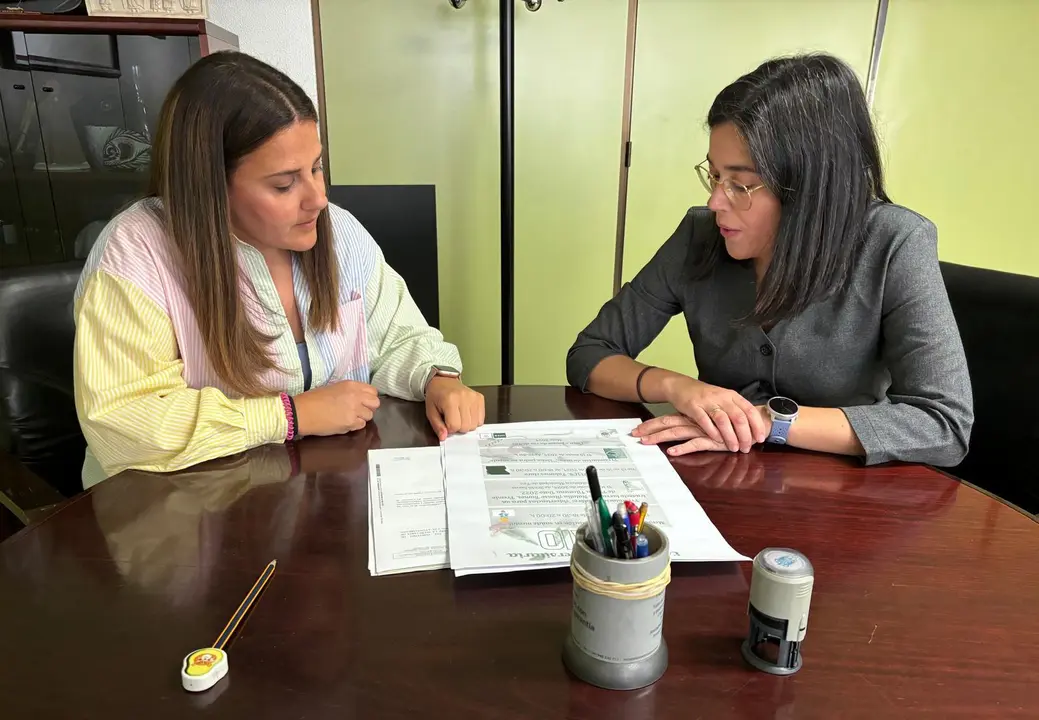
x=738, y=195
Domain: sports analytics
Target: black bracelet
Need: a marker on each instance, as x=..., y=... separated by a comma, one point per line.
x=638, y=383
x=295, y=417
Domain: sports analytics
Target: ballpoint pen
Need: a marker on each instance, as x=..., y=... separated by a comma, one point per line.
x=642, y=547
x=643, y=509
x=594, y=531
x=622, y=510
x=623, y=541
x=600, y=503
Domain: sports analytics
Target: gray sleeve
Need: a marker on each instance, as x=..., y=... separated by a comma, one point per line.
x=632, y=319
x=931, y=408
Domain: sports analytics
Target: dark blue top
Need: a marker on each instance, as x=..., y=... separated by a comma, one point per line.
x=304, y=360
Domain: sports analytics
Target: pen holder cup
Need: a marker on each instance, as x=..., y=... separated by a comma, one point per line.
x=616, y=629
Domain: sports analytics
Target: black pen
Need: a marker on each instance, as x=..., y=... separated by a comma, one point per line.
x=600, y=506
x=620, y=528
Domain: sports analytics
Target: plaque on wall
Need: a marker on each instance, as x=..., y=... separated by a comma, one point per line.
x=190, y=9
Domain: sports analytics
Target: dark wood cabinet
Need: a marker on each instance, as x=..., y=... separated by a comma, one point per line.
x=79, y=101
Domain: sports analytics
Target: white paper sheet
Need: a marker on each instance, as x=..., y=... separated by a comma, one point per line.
x=407, y=524
x=516, y=494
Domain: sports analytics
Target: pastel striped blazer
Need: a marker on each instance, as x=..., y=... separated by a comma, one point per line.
x=146, y=394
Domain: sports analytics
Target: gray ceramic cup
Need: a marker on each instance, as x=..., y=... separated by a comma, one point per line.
x=618, y=644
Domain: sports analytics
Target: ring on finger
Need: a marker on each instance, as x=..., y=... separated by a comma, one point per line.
x=715, y=410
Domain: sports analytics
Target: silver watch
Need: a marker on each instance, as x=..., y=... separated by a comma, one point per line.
x=442, y=371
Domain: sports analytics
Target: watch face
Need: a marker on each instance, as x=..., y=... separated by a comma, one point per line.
x=783, y=406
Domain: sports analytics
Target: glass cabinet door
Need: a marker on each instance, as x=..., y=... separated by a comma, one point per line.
x=13, y=249
x=98, y=98
x=148, y=68
x=79, y=115
x=30, y=231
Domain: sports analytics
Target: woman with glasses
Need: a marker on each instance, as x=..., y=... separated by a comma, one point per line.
x=816, y=308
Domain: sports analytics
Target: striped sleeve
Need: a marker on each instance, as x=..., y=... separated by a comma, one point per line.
x=134, y=406
x=402, y=346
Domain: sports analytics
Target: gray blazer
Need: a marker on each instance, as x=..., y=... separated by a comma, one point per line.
x=885, y=350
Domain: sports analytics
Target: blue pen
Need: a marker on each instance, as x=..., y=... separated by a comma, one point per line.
x=641, y=547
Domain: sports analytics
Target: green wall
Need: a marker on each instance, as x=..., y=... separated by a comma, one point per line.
x=569, y=103
x=411, y=97
x=957, y=100
x=686, y=52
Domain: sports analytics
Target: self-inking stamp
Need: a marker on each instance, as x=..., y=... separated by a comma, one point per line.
x=780, y=593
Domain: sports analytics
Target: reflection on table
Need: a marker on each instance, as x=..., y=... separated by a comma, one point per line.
x=924, y=599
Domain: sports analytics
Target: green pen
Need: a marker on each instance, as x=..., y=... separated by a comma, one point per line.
x=605, y=519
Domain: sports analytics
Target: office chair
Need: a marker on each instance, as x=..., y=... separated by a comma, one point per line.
x=38, y=423
x=998, y=318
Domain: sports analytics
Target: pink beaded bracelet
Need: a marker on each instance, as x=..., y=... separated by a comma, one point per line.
x=290, y=416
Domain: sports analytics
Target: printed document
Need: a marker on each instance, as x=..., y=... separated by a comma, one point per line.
x=407, y=525
x=516, y=494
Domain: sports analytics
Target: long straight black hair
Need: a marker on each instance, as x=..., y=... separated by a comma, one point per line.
x=807, y=125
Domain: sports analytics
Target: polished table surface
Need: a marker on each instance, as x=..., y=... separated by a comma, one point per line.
x=926, y=596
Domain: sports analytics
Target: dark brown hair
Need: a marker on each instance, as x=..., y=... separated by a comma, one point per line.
x=224, y=107
x=807, y=124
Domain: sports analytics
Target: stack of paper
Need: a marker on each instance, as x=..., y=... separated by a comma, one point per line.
x=407, y=524
x=516, y=494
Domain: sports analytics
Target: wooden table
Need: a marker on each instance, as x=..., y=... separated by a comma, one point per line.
x=926, y=596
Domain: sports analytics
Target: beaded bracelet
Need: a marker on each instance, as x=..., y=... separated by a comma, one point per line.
x=290, y=416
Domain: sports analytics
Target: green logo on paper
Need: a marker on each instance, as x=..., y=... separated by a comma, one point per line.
x=498, y=436
x=497, y=470
x=615, y=454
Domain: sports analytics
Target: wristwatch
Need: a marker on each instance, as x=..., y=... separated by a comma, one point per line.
x=441, y=371
x=783, y=412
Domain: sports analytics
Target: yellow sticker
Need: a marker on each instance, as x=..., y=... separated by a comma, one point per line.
x=202, y=661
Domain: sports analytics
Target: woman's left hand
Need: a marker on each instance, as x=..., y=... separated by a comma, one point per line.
x=452, y=407
x=676, y=428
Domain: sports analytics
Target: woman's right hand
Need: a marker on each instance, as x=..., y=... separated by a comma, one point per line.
x=724, y=415
x=336, y=408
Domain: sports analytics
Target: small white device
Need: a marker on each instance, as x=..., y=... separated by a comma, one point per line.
x=780, y=593
x=203, y=669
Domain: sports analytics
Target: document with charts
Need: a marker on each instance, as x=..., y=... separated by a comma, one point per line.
x=407, y=525
x=516, y=494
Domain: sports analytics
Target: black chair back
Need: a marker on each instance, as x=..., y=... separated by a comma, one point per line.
x=38, y=423
x=998, y=318
x=403, y=221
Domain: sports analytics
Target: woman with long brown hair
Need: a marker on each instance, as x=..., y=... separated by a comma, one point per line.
x=234, y=306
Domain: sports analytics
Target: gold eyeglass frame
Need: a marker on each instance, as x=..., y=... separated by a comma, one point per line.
x=730, y=187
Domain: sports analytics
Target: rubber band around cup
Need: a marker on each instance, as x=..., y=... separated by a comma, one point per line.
x=620, y=591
